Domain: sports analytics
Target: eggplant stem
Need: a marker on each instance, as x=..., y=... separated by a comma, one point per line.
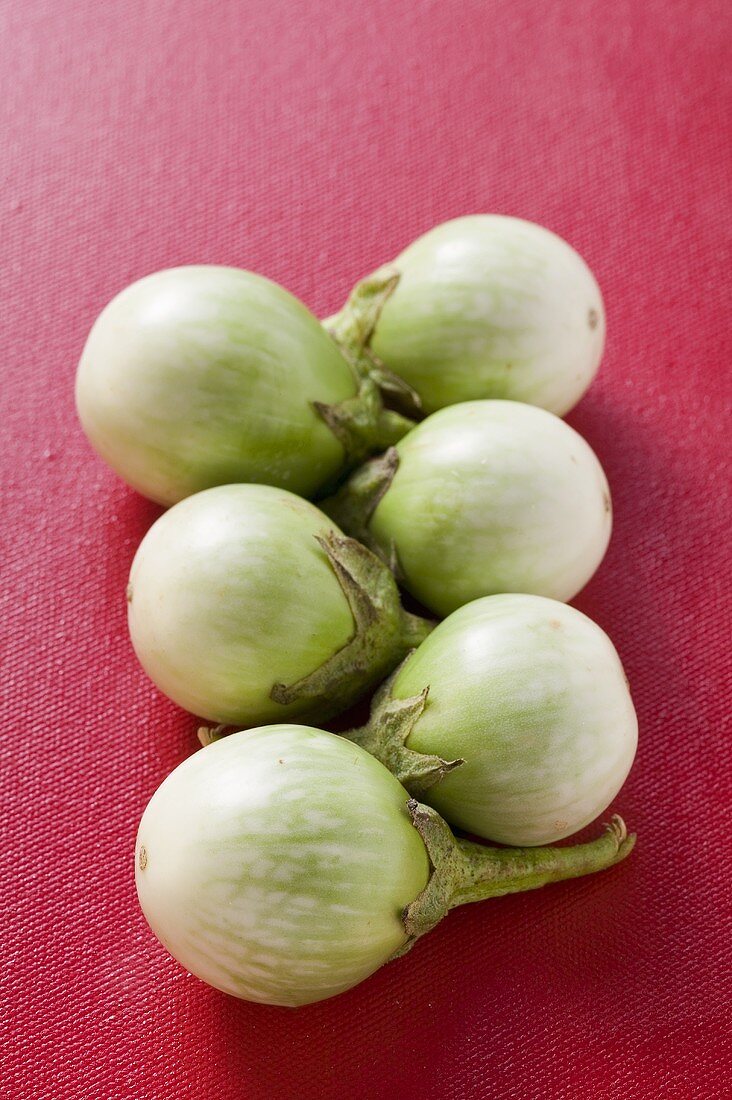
x=353, y=327
x=362, y=424
x=463, y=871
x=353, y=505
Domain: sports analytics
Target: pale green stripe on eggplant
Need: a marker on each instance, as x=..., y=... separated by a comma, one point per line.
x=202, y=375
x=287, y=875
x=216, y=610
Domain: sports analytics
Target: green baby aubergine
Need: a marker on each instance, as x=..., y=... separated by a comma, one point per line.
x=488, y=306
x=202, y=376
x=484, y=497
x=513, y=719
x=284, y=865
x=247, y=605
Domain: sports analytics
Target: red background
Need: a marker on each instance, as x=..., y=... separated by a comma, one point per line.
x=310, y=141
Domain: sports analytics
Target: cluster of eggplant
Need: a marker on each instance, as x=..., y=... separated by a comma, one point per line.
x=283, y=863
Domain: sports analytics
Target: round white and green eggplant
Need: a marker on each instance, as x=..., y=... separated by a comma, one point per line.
x=201, y=376
x=485, y=497
x=285, y=864
x=513, y=719
x=248, y=605
x=489, y=306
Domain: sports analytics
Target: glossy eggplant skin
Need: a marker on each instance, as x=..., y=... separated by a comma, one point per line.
x=275, y=864
x=237, y=594
x=531, y=695
x=203, y=375
x=489, y=306
x=480, y=498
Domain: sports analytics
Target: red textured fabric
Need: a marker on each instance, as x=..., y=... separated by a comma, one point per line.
x=310, y=142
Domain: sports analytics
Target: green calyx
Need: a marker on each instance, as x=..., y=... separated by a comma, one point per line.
x=463, y=871
x=385, y=736
x=356, y=501
x=383, y=635
x=383, y=632
x=362, y=424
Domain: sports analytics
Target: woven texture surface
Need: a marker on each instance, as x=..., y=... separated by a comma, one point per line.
x=310, y=142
